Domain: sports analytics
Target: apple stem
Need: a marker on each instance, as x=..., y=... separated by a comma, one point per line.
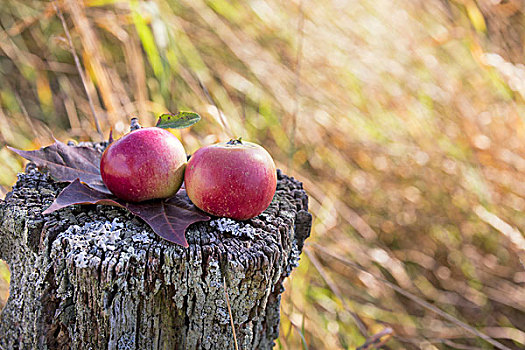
x=134, y=124
x=235, y=141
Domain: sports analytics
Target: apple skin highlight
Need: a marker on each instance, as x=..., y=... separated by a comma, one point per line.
x=231, y=179
x=144, y=164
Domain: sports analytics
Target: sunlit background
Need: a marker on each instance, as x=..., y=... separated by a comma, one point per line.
x=403, y=119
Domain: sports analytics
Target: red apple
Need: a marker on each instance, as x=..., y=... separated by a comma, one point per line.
x=235, y=179
x=145, y=164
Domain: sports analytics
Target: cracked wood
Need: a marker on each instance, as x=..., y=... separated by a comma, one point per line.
x=97, y=277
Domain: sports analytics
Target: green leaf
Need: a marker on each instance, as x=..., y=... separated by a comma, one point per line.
x=179, y=121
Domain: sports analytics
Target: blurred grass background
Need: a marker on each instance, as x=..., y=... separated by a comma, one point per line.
x=404, y=120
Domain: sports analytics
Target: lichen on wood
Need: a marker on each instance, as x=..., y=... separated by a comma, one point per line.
x=96, y=277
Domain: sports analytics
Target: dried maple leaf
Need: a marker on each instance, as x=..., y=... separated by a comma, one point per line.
x=168, y=218
x=66, y=163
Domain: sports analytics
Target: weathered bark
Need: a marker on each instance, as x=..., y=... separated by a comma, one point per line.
x=95, y=277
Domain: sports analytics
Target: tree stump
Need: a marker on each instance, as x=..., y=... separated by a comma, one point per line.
x=96, y=277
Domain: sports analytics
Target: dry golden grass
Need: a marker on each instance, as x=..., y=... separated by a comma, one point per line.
x=404, y=120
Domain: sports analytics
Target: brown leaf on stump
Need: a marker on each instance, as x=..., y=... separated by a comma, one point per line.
x=66, y=163
x=168, y=218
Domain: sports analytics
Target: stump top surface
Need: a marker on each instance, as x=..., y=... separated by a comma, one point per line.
x=89, y=231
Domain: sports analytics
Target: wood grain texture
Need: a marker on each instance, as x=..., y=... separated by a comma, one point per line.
x=96, y=277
